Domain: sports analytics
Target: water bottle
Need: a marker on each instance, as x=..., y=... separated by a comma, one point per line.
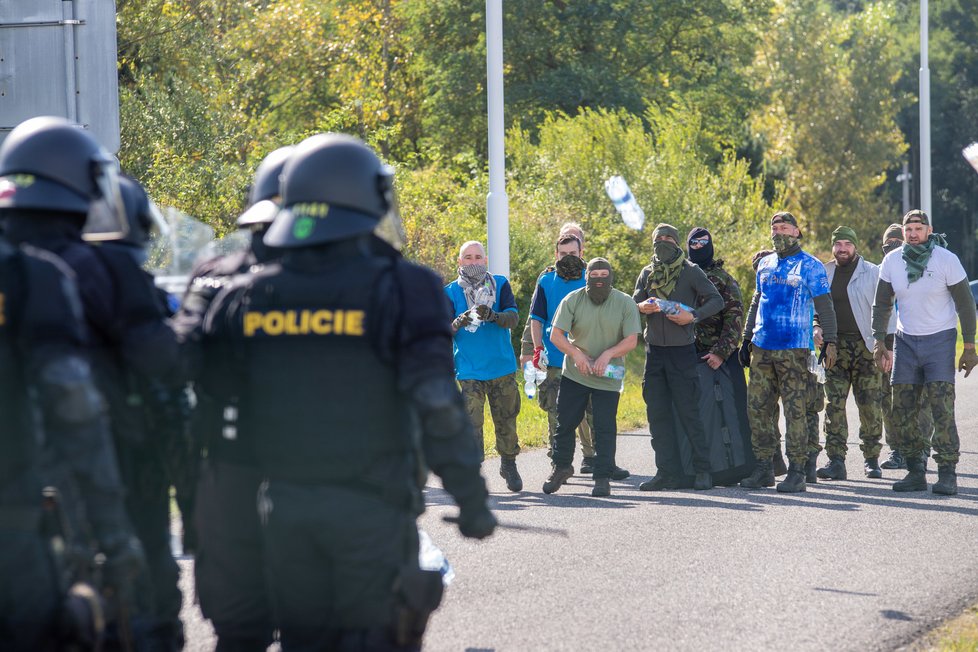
x=670, y=307
x=815, y=368
x=431, y=558
x=615, y=371
x=619, y=193
x=473, y=326
x=530, y=378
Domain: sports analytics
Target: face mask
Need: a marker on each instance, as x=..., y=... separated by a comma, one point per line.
x=666, y=251
x=570, y=267
x=893, y=245
x=473, y=273
x=783, y=242
x=598, y=289
x=702, y=256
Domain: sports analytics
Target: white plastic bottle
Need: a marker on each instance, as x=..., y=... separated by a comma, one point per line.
x=619, y=193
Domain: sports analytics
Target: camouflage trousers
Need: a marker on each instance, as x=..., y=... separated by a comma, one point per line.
x=780, y=374
x=547, y=395
x=815, y=404
x=853, y=369
x=925, y=421
x=503, y=395
x=911, y=440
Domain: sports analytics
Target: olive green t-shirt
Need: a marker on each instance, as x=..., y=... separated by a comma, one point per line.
x=594, y=329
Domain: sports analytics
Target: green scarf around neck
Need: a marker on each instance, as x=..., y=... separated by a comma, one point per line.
x=665, y=275
x=917, y=256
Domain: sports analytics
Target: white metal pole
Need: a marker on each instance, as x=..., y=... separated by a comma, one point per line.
x=925, y=200
x=497, y=203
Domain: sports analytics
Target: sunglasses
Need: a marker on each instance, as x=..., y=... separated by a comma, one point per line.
x=700, y=241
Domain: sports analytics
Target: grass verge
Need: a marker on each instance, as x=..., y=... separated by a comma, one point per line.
x=956, y=635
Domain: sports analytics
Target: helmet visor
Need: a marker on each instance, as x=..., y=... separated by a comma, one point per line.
x=390, y=229
x=107, y=214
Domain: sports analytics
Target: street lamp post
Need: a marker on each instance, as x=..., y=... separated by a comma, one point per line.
x=497, y=203
x=924, y=79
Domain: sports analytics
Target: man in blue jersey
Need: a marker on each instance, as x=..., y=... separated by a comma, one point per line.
x=485, y=310
x=777, y=338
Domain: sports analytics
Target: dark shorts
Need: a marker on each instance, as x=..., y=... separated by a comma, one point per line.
x=922, y=359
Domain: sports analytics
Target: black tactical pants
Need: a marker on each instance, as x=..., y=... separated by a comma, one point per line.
x=572, y=401
x=229, y=567
x=28, y=591
x=333, y=556
x=671, y=380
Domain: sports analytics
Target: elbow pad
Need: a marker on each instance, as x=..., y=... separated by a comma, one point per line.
x=439, y=407
x=68, y=392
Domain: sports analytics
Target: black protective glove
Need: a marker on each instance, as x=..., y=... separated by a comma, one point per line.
x=462, y=321
x=476, y=522
x=485, y=313
x=744, y=355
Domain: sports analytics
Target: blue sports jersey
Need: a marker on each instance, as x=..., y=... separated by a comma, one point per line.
x=488, y=352
x=787, y=287
x=551, y=290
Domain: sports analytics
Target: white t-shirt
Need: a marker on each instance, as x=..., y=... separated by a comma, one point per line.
x=925, y=306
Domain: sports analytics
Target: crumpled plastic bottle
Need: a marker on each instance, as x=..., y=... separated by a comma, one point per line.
x=430, y=557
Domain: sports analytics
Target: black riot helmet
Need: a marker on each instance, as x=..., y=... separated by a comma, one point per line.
x=141, y=214
x=333, y=188
x=50, y=164
x=264, y=195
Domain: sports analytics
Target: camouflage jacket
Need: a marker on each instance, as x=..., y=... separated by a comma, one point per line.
x=721, y=333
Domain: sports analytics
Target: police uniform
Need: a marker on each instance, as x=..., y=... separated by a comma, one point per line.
x=229, y=567
x=127, y=342
x=335, y=371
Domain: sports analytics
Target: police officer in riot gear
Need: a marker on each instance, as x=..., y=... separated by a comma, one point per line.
x=342, y=358
x=229, y=568
x=69, y=188
x=42, y=331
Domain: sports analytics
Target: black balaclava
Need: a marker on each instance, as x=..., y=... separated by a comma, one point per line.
x=599, y=289
x=704, y=255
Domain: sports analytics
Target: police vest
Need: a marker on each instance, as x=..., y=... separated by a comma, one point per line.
x=322, y=404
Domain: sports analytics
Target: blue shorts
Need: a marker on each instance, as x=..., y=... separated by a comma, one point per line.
x=922, y=359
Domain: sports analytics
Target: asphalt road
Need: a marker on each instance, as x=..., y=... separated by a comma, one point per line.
x=848, y=565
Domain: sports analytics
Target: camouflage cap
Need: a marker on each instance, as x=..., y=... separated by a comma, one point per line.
x=916, y=216
x=784, y=216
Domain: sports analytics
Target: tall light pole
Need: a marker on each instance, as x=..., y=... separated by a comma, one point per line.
x=925, y=202
x=497, y=203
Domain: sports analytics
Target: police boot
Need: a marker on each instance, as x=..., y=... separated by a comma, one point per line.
x=947, y=480
x=703, y=481
x=763, y=476
x=659, y=482
x=587, y=466
x=811, y=476
x=794, y=482
x=872, y=468
x=558, y=477
x=507, y=469
x=916, y=478
x=777, y=464
x=834, y=470
x=602, y=488
x=894, y=461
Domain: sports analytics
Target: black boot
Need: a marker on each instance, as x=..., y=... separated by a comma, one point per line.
x=762, y=476
x=894, y=461
x=947, y=480
x=916, y=478
x=601, y=488
x=558, y=477
x=872, y=468
x=834, y=470
x=777, y=464
x=811, y=476
x=794, y=482
x=703, y=481
x=507, y=469
x=659, y=482
x=619, y=473
x=587, y=466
